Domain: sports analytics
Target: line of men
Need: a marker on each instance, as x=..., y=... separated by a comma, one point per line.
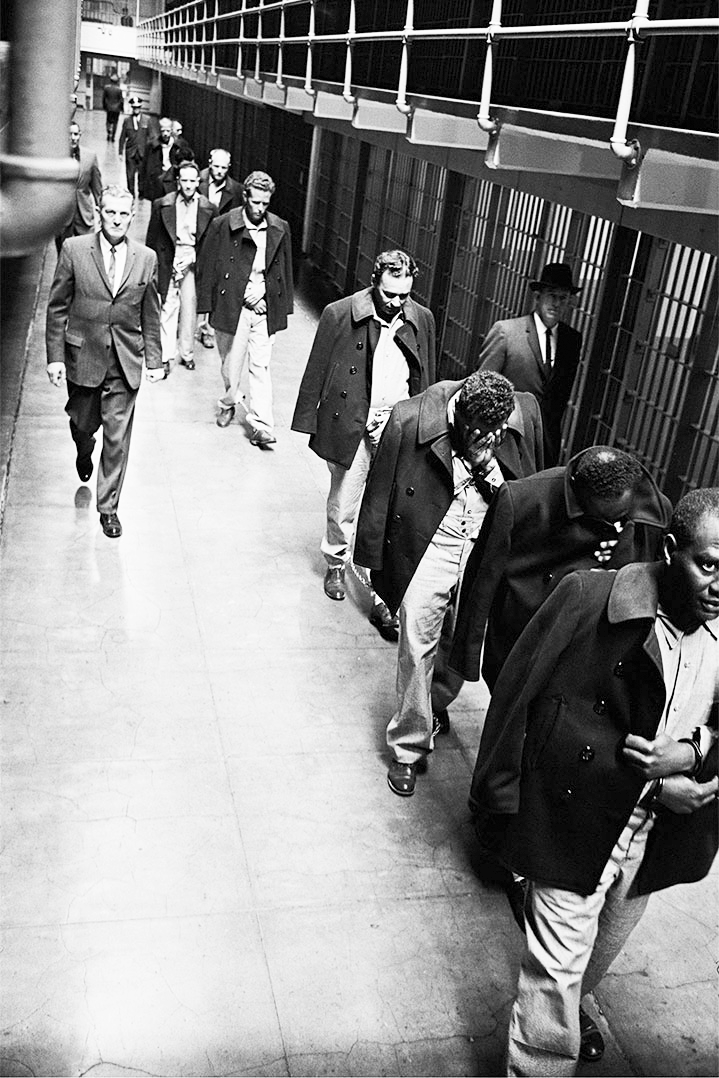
x=593, y=605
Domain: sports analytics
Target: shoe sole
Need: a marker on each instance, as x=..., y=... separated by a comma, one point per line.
x=400, y=793
x=335, y=598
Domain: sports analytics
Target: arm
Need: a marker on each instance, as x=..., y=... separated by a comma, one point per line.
x=206, y=266
x=374, y=510
x=494, y=350
x=323, y=348
x=95, y=181
x=287, y=269
x=150, y=321
x=62, y=292
x=431, y=350
x=123, y=138
x=153, y=229
x=538, y=434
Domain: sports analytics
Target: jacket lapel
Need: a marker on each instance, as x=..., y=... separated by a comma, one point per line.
x=533, y=339
x=169, y=218
x=100, y=262
x=129, y=263
x=433, y=424
x=274, y=236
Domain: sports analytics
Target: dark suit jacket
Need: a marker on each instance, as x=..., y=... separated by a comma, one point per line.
x=88, y=189
x=84, y=319
x=512, y=348
x=586, y=672
x=334, y=397
x=533, y=535
x=230, y=198
x=225, y=265
x=162, y=235
x=411, y=485
x=112, y=97
x=156, y=180
x=133, y=142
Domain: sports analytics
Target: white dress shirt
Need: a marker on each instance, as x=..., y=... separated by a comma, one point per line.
x=120, y=259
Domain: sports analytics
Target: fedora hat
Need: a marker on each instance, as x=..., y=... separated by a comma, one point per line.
x=555, y=275
x=135, y=100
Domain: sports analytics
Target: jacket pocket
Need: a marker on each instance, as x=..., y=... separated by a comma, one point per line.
x=74, y=339
x=547, y=711
x=328, y=381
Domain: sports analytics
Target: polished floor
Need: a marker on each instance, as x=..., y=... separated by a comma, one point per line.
x=203, y=869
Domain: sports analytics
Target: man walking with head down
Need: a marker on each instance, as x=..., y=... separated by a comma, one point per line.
x=245, y=287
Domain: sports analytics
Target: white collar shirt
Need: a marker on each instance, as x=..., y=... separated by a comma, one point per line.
x=120, y=260
x=542, y=334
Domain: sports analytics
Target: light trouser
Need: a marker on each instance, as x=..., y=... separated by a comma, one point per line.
x=111, y=405
x=250, y=342
x=571, y=942
x=178, y=318
x=426, y=626
x=343, y=502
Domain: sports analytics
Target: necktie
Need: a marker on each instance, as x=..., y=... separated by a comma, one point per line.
x=113, y=267
x=548, y=357
x=76, y=154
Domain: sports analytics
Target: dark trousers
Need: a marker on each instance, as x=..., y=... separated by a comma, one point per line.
x=111, y=124
x=111, y=405
x=133, y=167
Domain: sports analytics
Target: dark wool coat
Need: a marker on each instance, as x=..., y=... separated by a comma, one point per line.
x=535, y=532
x=410, y=486
x=225, y=265
x=512, y=348
x=231, y=196
x=586, y=672
x=162, y=234
x=334, y=397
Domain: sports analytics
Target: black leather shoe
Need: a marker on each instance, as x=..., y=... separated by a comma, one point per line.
x=591, y=1045
x=111, y=525
x=189, y=363
x=225, y=417
x=401, y=778
x=335, y=582
x=166, y=368
x=83, y=464
x=386, y=625
x=440, y=722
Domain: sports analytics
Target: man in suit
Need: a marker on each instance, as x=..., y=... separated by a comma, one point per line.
x=539, y=353
x=602, y=510
x=88, y=188
x=103, y=320
x=163, y=154
x=442, y=456
x=134, y=134
x=177, y=230
x=598, y=764
x=371, y=349
x=216, y=183
x=113, y=104
x=246, y=290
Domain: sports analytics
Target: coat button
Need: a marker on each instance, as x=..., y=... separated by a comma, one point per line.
x=336, y=415
x=227, y=276
x=586, y=754
x=343, y=394
x=359, y=346
x=619, y=669
x=409, y=492
x=353, y=370
x=222, y=291
x=548, y=578
x=566, y=795
x=600, y=707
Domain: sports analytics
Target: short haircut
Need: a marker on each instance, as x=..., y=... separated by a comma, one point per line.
x=486, y=397
x=74, y=123
x=115, y=190
x=261, y=182
x=396, y=262
x=219, y=149
x=606, y=472
x=690, y=510
x=187, y=162
x=165, y=120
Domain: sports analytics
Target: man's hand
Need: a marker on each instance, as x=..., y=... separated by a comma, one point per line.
x=155, y=374
x=254, y=297
x=683, y=795
x=56, y=373
x=658, y=758
x=479, y=452
x=605, y=550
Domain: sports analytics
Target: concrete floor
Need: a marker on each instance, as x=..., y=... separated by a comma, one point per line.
x=203, y=870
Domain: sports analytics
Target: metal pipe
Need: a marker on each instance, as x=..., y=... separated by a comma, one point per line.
x=629, y=151
x=38, y=175
x=484, y=120
x=401, y=101
x=351, y=29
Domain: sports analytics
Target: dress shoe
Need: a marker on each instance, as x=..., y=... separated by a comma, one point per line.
x=591, y=1045
x=262, y=438
x=189, y=363
x=225, y=417
x=207, y=338
x=166, y=369
x=83, y=463
x=440, y=722
x=111, y=525
x=386, y=625
x=335, y=582
x=401, y=778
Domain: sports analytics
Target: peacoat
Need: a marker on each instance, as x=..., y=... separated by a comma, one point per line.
x=84, y=319
x=586, y=672
x=334, y=396
x=162, y=234
x=534, y=533
x=224, y=270
x=410, y=486
x=512, y=348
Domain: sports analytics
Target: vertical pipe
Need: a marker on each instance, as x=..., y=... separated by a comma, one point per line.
x=347, y=89
x=311, y=198
x=308, y=65
x=401, y=101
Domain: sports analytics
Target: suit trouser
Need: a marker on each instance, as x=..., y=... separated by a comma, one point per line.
x=111, y=119
x=343, y=502
x=111, y=405
x=252, y=343
x=133, y=167
x=177, y=319
x=426, y=625
x=571, y=942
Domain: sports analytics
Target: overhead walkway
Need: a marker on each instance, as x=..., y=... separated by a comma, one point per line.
x=204, y=872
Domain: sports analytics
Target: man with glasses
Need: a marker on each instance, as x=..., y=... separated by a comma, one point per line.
x=441, y=458
x=371, y=349
x=539, y=352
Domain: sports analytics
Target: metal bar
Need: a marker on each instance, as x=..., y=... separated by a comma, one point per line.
x=347, y=88
x=404, y=61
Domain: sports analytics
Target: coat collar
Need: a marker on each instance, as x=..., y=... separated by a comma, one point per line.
x=363, y=308
x=649, y=506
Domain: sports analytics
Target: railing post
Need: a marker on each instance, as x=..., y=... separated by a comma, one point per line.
x=280, y=59
x=401, y=102
x=241, y=39
x=347, y=89
x=629, y=151
x=484, y=120
x=310, y=43
x=259, y=40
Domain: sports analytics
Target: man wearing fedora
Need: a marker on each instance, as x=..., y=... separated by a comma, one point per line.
x=539, y=353
x=133, y=141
